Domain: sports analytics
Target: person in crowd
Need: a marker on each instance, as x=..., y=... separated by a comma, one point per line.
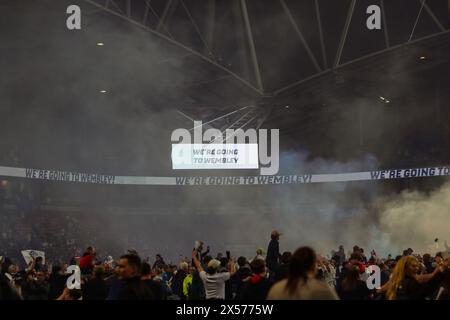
x=257, y=286
x=301, y=283
x=12, y=271
x=129, y=271
x=57, y=282
x=328, y=271
x=273, y=251
x=352, y=287
x=407, y=252
x=36, y=286
x=15, y=277
x=385, y=273
x=167, y=273
x=157, y=287
x=282, y=270
x=340, y=255
x=428, y=263
x=158, y=274
x=406, y=284
x=87, y=261
x=228, y=284
x=5, y=263
x=115, y=284
x=356, y=259
x=36, y=264
x=197, y=288
x=363, y=256
x=259, y=254
x=241, y=276
x=214, y=281
x=159, y=262
x=178, y=279
x=7, y=289
x=202, y=255
x=96, y=288
x=187, y=283
x=444, y=290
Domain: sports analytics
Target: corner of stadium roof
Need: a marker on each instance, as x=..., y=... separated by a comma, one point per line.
x=322, y=48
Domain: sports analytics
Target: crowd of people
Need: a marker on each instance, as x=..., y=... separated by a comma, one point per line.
x=299, y=275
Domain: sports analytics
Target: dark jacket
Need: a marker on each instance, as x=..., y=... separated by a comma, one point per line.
x=411, y=289
x=7, y=292
x=446, y=284
x=115, y=286
x=135, y=289
x=57, y=284
x=358, y=292
x=177, y=284
x=95, y=289
x=273, y=255
x=238, y=280
x=34, y=290
x=196, y=289
x=158, y=289
x=159, y=264
x=256, y=288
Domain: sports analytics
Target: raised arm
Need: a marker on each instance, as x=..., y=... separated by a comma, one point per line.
x=232, y=267
x=31, y=265
x=205, y=253
x=423, y=278
x=197, y=263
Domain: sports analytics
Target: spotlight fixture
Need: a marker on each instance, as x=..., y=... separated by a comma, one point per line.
x=102, y=91
x=100, y=44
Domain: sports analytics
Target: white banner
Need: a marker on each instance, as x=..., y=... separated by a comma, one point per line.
x=68, y=176
x=28, y=255
x=214, y=156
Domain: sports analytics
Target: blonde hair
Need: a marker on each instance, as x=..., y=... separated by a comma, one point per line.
x=184, y=265
x=398, y=275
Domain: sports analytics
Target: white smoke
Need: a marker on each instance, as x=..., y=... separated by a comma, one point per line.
x=414, y=219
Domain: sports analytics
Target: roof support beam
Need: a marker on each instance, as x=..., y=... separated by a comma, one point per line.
x=178, y=44
x=430, y=12
x=191, y=18
x=417, y=21
x=300, y=35
x=164, y=15
x=300, y=82
x=322, y=42
x=351, y=9
x=147, y=10
x=252, y=46
x=210, y=25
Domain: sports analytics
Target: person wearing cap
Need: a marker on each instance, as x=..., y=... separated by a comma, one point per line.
x=273, y=252
x=213, y=281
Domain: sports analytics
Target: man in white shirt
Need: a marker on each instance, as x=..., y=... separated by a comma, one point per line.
x=213, y=281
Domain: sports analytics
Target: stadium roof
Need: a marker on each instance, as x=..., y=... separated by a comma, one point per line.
x=305, y=67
